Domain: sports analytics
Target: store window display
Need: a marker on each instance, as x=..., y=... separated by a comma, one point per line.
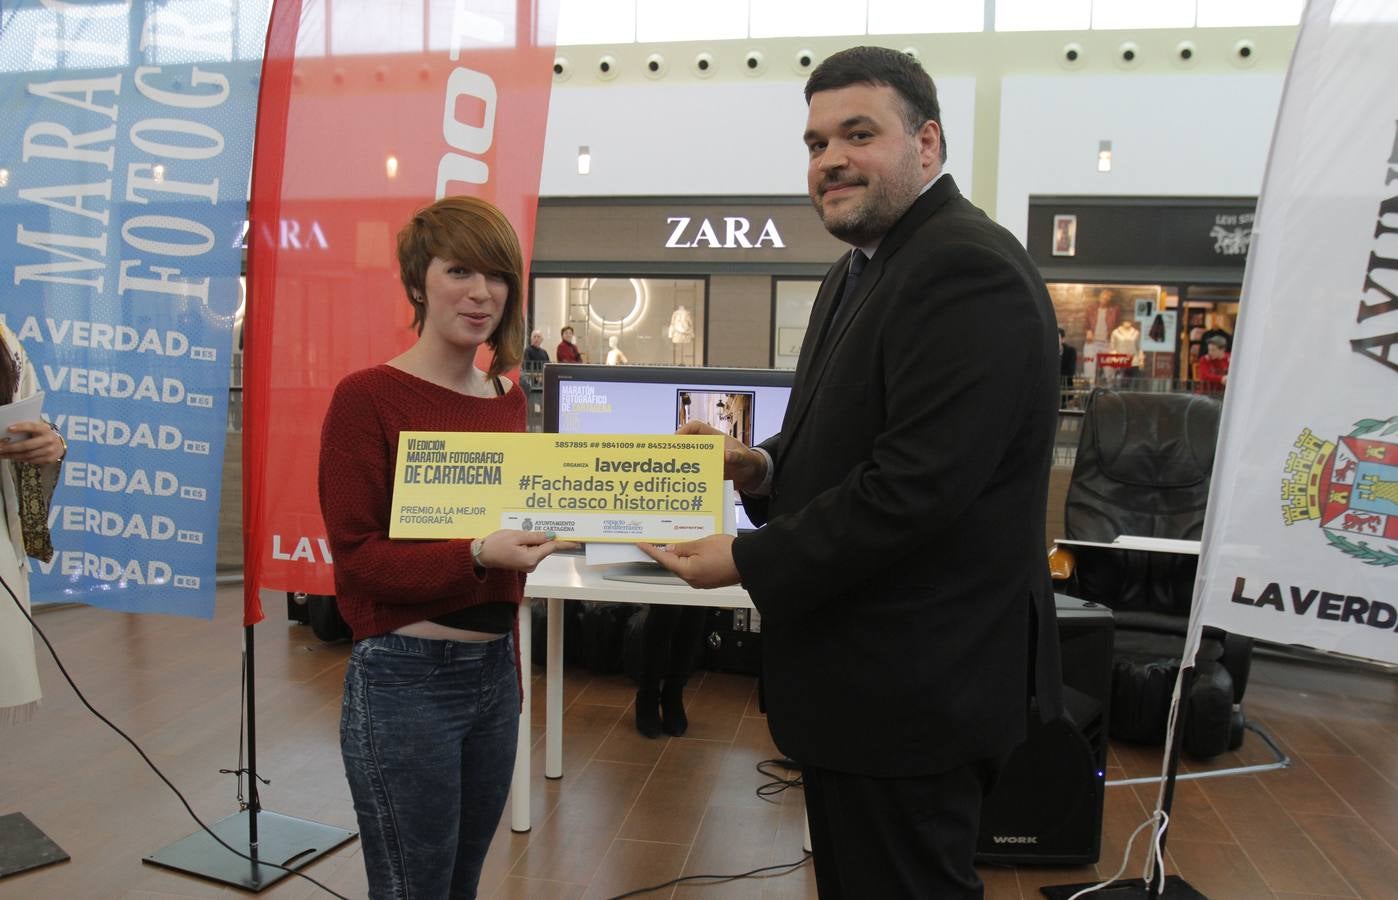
x=657, y=321
x=1119, y=330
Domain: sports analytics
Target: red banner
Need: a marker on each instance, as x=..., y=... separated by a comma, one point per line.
x=452, y=100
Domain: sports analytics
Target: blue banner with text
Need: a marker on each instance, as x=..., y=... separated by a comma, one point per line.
x=124, y=167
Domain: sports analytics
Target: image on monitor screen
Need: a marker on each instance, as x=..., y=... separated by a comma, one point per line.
x=728, y=411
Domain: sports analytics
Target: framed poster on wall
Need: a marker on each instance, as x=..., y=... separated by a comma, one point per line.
x=1065, y=235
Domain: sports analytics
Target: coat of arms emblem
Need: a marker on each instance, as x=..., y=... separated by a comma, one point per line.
x=1351, y=486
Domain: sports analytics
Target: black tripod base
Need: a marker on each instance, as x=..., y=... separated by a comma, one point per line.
x=283, y=840
x=23, y=846
x=1176, y=888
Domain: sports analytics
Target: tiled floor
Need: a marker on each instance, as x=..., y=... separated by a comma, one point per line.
x=630, y=811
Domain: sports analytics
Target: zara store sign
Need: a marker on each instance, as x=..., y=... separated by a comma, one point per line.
x=730, y=233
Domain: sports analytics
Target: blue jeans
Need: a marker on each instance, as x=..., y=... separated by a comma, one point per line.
x=428, y=732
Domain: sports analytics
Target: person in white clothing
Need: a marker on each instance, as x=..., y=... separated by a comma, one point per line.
x=28, y=443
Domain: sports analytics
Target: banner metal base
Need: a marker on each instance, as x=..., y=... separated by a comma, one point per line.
x=23, y=846
x=1176, y=888
x=294, y=843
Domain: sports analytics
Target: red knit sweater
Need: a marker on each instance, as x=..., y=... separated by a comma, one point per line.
x=383, y=584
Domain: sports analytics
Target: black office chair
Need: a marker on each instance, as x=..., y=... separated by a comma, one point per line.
x=1143, y=468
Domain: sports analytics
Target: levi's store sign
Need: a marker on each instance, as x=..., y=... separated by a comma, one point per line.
x=724, y=232
x=1146, y=234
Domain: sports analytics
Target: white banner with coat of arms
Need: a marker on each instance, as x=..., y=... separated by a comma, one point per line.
x=1301, y=544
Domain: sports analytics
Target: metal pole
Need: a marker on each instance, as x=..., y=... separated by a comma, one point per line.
x=1157, y=879
x=254, y=803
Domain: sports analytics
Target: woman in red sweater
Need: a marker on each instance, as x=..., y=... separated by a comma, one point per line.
x=430, y=717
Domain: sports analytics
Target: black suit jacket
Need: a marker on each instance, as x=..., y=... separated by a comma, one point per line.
x=1068, y=362
x=901, y=574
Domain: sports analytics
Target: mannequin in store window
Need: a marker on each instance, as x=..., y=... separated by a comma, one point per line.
x=1126, y=339
x=614, y=355
x=681, y=328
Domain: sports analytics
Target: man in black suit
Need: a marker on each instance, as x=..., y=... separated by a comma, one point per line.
x=1067, y=357
x=1067, y=368
x=907, y=612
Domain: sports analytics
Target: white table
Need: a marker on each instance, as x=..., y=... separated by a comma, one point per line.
x=1134, y=542
x=564, y=577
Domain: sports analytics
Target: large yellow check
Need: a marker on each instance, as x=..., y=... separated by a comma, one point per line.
x=597, y=487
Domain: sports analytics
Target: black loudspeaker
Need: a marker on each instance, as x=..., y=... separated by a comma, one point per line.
x=1046, y=808
x=733, y=641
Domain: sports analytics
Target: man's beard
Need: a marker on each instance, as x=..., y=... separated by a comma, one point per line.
x=878, y=211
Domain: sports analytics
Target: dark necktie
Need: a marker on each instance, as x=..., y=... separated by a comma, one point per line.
x=857, y=261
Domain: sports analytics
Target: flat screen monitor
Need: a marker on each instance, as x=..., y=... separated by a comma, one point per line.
x=590, y=399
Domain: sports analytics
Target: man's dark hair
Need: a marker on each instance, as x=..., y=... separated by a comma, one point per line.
x=1062, y=333
x=891, y=68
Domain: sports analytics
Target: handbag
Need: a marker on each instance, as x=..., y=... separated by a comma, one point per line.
x=35, y=494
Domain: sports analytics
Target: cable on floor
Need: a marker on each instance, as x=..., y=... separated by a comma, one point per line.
x=718, y=879
x=766, y=791
x=779, y=782
x=108, y=722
